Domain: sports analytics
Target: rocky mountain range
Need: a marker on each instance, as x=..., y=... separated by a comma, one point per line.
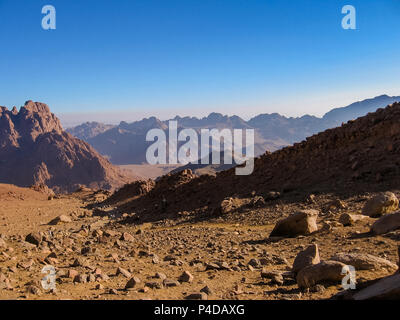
x=35, y=150
x=360, y=156
x=126, y=142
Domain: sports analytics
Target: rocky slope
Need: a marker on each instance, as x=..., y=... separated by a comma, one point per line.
x=89, y=130
x=360, y=156
x=35, y=150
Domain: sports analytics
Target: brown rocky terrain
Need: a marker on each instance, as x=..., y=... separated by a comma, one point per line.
x=289, y=231
x=35, y=150
x=103, y=257
x=360, y=156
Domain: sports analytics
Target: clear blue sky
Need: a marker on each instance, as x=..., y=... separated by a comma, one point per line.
x=192, y=56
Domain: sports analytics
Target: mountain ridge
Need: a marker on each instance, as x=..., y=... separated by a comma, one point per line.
x=35, y=150
x=126, y=143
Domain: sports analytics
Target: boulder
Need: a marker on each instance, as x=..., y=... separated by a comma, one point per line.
x=387, y=288
x=303, y=222
x=306, y=258
x=386, y=224
x=383, y=203
x=325, y=271
x=364, y=261
x=348, y=219
x=60, y=219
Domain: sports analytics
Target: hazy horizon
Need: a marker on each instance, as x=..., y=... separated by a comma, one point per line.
x=184, y=58
x=116, y=116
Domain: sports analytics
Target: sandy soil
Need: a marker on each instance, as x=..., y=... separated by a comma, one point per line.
x=164, y=247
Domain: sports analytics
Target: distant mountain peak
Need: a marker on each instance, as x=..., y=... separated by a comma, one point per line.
x=35, y=149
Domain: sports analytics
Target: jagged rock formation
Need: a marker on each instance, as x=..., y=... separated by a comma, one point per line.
x=361, y=155
x=35, y=150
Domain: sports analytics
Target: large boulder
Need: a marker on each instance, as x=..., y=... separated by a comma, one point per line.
x=386, y=224
x=325, y=271
x=306, y=258
x=387, y=288
x=385, y=202
x=364, y=261
x=303, y=222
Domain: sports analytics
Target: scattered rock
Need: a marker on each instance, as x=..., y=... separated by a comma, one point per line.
x=170, y=283
x=197, y=296
x=229, y=205
x=383, y=203
x=386, y=223
x=186, y=276
x=127, y=237
x=387, y=288
x=330, y=271
x=154, y=285
x=124, y=272
x=80, y=262
x=348, y=219
x=81, y=278
x=3, y=243
x=60, y=219
x=364, y=261
x=207, y=290
x=160, y=275
x=132, y=282
x=303, y=222
x=34, y=238
x=306, y=258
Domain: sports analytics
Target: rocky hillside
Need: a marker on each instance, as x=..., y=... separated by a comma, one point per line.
x=360, y=156
x=35, y=150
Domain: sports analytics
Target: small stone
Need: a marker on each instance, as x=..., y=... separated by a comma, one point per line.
x=350, y=219
x=34, y=238
x=307, y=257
x=160, y=275
x=72, y=273
x=33, y=290
x=81, y=278
x=124, y=272
x=170, y=283
x=60, y=219
x=197, y=296
x=80, y=262
x=154, y=285
x=127, y=237
x=132, y=282
x=207, y=290
x=99, y=286
x=186, y=276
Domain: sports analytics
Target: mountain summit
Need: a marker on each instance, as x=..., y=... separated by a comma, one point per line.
x=35, y=150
